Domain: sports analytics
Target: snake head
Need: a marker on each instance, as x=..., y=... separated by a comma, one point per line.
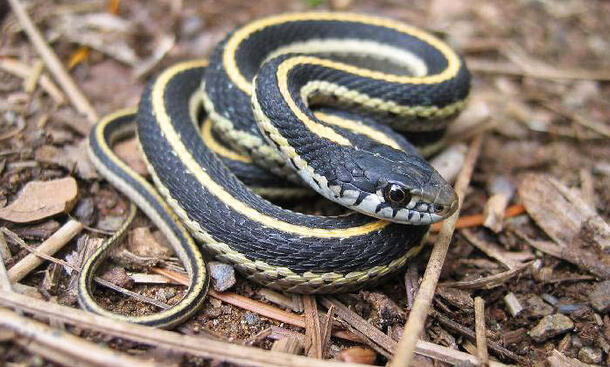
x=398, y=187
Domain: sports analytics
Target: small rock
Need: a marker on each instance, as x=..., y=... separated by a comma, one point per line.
x=165, y=294
x=590, y=355
x=111, y=223
x=84, y=211
x=222, y=274
x=117, y=275
x=251, y=319
x=536, y=307
x=600, y=297
x=570, y=308
x=551, y=326
x=143, y=243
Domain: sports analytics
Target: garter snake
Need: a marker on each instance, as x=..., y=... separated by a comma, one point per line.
x=260, y=88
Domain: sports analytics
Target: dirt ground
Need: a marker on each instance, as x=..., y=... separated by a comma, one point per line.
x=540, y=100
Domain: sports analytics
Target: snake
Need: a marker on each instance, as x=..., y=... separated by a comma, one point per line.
x=340, y=103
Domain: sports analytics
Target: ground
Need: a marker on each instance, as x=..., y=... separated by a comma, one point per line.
x=539, y=99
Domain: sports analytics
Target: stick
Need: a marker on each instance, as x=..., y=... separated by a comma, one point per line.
x=53, y=63
x=5, y=282
x=56, y=342
x=479, y=328
x=197, y=346
x=419, y=312
x=386, y=345
x=490, y=67
x=24, y=71
x=53, y=244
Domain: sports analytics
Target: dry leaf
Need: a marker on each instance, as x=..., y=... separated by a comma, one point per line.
x=42, y=199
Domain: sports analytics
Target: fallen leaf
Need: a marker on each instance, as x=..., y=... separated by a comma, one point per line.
x=42, y=199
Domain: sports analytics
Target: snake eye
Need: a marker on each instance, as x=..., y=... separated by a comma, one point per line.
x=396, y=194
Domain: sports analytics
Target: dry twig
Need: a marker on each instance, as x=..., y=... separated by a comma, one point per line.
x=53, y=63
x=385, y=345
x=23, y=71
x=58, y=345
x=480, y=330
x=210, y=349
x=419, y=312
x=53, y=244
x=488, y=282
x=506, y=68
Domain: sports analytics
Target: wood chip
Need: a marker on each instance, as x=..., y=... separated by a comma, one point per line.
x=289, y=344
x=582, y=236
x=312, y=327
x=513, y=304
x=357, y=355
x=42, y=199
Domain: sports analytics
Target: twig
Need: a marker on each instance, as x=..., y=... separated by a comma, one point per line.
x=53, y=244
x=241, y=301
x=253, y=305
x=293, y=303
x=24, y=71
x=488, y=282
x=54, y=341
x=419, y=312
x=490, y=249
x=386, y=345
x=490, y=67
x=53, y=63
x=370, y=334
x=29, y=83
x=598, y=127
x=127, y=292
x=5, y=252
x=476, y=220
x=479, y=320
x=197, y=346
x=493, y=346
x=312, y=327
x=33, y=250
x=5, y=282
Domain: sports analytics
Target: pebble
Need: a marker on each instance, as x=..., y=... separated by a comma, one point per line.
x=536, y=307
x=600, y=297
x=568, y=308
x=110, y=223
x=222, y=274
x=251, y=319
x=551, y=326
x=84, y=211
x=590, y=355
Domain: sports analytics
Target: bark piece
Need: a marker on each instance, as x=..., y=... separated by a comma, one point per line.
x=582, y=236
